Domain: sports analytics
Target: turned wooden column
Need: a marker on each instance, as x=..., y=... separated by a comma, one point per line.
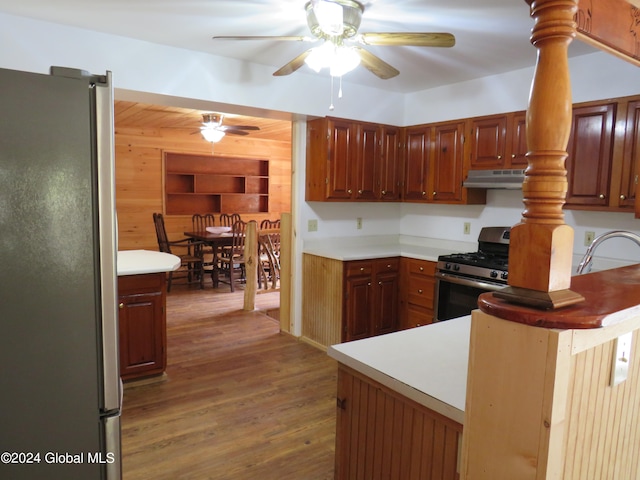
x=541, y=245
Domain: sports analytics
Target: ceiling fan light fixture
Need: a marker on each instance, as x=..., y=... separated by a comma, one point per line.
x=212, y=134
x=338, y=59
x=348, y=13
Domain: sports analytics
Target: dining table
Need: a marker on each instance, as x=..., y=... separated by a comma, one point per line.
x=216, y=241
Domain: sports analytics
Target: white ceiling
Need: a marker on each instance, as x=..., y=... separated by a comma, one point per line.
x=492, y=36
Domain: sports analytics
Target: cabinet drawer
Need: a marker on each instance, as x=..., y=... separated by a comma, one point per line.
x=388, y=265
x=358, y=268
x=421, y=267
x=421, y=291
x=418, y=316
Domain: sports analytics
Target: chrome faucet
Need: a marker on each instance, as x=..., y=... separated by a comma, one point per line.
x=586, y=262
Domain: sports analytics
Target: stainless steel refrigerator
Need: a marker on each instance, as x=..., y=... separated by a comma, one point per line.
x=60, y=390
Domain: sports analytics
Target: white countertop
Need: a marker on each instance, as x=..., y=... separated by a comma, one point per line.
x=426, y=364
x=361, y=248
x=136, y=262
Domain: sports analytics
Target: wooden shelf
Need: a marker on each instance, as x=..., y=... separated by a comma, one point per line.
x=214, y=184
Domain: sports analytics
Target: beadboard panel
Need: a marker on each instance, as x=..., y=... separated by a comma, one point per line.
x=142, y=135
x=322, y=293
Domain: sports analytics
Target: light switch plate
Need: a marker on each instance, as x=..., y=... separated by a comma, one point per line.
x=312, y=225
x=621, y=358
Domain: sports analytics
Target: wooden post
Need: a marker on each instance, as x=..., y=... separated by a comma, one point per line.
x=286, y=259
x=541, y=250
x=251, y=265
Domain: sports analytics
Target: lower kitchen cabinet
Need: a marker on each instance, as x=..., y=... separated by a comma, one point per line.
x=142, y=325
x=417, y=287
x=371, y=297
x=382, y=434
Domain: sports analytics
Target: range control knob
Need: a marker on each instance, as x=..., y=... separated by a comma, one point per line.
x=504, y=275
x=456, y=267
x=447, y=266
x=493, y=274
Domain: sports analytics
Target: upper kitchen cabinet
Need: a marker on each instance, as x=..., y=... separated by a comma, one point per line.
x=434, y=165
x=627, y=197
x=348, y=160
x=417, y=157
x=590, y=149
x=498, y=141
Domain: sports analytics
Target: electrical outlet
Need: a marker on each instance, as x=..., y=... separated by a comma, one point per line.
x=312, y=225
x=467, y=228
x=588, y=238
x=359, y=223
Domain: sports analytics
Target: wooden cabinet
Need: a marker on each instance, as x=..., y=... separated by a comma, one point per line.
x=382, y=434
x=214, y=184
x=499, y=141
x=371, y=299
x=417, y=287
x=390, y=164
x=448, y=155
x=590, y=157
x=434, y=165
x=348, y=160
x=142, y=325
x=416, y=165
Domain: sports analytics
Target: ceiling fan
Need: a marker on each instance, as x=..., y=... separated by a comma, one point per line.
x=213, y=130
x=336, y=24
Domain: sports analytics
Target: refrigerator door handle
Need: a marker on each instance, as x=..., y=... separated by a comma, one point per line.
x=112, y=390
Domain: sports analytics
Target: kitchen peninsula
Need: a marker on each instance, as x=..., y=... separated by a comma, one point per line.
x=142, y=296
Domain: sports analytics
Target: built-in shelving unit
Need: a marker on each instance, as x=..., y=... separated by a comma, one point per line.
x=214, y=184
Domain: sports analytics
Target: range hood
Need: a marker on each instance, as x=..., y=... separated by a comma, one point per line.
x=494, y=179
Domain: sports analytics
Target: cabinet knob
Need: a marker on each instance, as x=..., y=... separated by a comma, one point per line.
x=513, y=155
x=360, y=192
x=601, y=196
x=379, y=283
x=435, y=193
x=499, y=157
x=420, y=291
x=121, y=305
x=623, y=197
x=424, y=193
x=369, y=284
x=362, y=269
x=349, y=191
x=422, y=269
x=388, y=265
x=384, y=192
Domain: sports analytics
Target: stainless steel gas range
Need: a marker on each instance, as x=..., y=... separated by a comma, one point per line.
x=461, y=277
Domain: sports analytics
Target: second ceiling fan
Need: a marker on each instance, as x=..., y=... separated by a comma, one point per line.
x=336, y=24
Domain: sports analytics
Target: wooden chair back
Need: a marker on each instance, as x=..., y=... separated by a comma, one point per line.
x=200, y=222
x=161, y=233
x=228, y=219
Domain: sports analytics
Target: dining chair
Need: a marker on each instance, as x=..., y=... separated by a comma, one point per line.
x=228, y=219
x=269, y=252
x=199, y=223
x=232, y=261
x=191, y=265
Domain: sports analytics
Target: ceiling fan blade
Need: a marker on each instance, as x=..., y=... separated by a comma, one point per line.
x=285, y=38
x=408, y=39
x=228, y=128
x=236, y=132
x=376, y=65
x=293, y=65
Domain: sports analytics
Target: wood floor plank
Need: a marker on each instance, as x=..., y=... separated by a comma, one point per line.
x=240, y=400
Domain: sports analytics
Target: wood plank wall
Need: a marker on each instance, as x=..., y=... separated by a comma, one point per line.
x=143, y=133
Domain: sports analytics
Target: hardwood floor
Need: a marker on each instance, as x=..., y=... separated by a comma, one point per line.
x=240, y=401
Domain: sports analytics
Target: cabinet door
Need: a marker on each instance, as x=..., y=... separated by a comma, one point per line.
x=630, y=157
x=390, y=164
x=386, y=303
x=447, y=162
x=367, y=161
x=590, y=154
x=488, y=142
x=418, y=143
x=141, y=334
x=342, y=152
x=517, y=155
x=358, y=311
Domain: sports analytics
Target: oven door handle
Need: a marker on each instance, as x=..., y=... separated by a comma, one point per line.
x=468, y=282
